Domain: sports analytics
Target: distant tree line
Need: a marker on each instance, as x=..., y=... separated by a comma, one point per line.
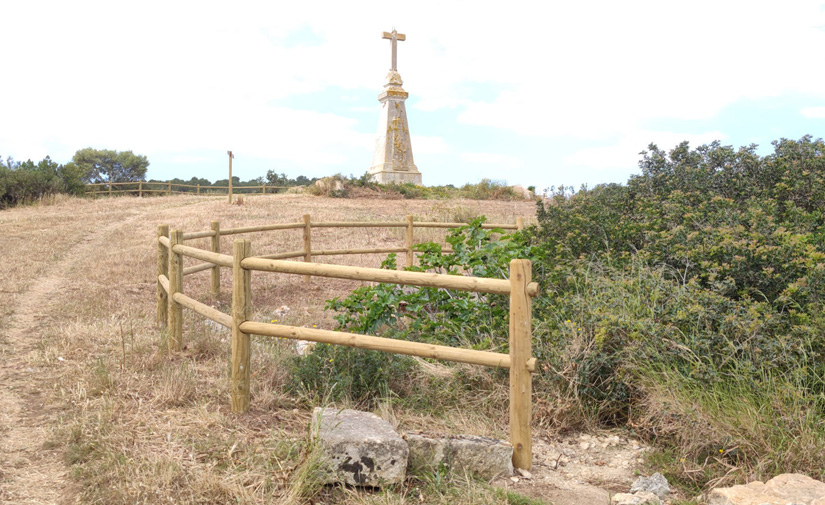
x=272, y=179
x=22, y=182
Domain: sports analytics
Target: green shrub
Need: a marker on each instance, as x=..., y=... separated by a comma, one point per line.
x=437, y=315
x=335, y=372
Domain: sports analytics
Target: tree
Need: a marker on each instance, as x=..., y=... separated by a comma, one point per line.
x=105, y=165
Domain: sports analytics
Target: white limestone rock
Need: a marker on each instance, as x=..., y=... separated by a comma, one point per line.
x=360, y=448
x=656, y=484
x=781, y=490
x=523, y=192
x=640, y=498
x=486, y=458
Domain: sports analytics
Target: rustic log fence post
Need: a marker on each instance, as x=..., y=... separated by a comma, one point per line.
x=229, y=184
x=140, y=189
x=307, y=244
x=520, y=223
x=521, y=381
x=216, y=270
x=110, y=189
x=163, y=269
x=410, y=256
x=175, y=341
x=169, y=189
x=241, y=311
x=199, y=189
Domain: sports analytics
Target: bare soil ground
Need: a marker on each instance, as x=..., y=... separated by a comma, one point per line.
x=93, y=410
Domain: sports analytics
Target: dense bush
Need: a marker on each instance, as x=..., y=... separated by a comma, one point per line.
x=28, y=182
x=663, y=301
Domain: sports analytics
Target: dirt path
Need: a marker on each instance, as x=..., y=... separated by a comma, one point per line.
x=31, y=472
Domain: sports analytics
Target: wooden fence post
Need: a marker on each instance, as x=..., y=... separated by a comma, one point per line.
x=263, y=187
x=307, y=244
x=229, y=185
x=410, y=255
x=520, y=223
x=521, y=381
x=216, y=270
x=110, y=188
x=241, y=310
x=169, y=189
x=163, y=269
x=175, y=286
x=199, y=189
x=140, y=189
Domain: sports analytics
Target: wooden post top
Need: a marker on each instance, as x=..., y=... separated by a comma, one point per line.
x=394, y=37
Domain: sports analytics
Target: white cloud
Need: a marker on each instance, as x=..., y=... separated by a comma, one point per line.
x=500, y=160
x=428, y=145
x=814, y=112
x=625, y=152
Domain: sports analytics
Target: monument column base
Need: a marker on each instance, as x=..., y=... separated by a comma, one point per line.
x=380, y=176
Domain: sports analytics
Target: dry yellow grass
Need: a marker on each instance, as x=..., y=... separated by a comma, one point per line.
x=86, y=367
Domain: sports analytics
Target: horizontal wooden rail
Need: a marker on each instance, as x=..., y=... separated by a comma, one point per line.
x=204, y=310
x=459, y=282
x=223, y=260
x=283, y=255
x=349, y=224
x=443, y=352
x=487, y=226
x=198, y=234
x=331, y=252
x=267, y=227
x=165, y=241
x=198, y=268
x=164, y=282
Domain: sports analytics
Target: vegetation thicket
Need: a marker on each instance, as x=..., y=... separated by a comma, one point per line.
x=686, y=305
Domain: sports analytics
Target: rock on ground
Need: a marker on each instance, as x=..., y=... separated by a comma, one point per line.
x=359, y=448
x=637, y=498
x=656, y=484
x=487, y=458
x=781, y=490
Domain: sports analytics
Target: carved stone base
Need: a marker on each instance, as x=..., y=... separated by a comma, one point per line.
x=394, y=176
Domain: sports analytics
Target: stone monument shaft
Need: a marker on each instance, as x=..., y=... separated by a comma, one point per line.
x=392, y=161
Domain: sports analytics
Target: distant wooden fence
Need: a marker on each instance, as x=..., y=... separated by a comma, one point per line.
x=143, y=188
x=170, y=303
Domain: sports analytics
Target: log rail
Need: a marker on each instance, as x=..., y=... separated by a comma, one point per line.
x=171, y=300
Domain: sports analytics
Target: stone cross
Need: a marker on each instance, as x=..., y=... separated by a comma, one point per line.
x=394, y=37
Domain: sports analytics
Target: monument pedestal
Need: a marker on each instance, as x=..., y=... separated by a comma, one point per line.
x=393, y=158
x=393, y=162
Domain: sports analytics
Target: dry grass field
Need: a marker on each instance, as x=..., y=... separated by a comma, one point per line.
x=93, y=410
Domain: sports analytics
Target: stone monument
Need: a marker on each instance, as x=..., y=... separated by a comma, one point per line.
x=393, y=158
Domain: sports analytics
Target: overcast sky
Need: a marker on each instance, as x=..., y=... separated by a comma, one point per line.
x=532, y=93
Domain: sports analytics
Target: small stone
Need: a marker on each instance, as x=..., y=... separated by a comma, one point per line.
x=514, y=479
x=525, y=473
x=640, y=498
x=584, y=446
x=656, y=484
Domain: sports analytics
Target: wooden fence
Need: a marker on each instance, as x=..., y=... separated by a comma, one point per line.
x=171, y=300
x=143, y=188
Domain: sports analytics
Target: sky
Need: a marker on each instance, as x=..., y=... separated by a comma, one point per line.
x=535, y=93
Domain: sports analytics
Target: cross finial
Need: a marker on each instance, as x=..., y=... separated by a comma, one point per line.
x=394, y=37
